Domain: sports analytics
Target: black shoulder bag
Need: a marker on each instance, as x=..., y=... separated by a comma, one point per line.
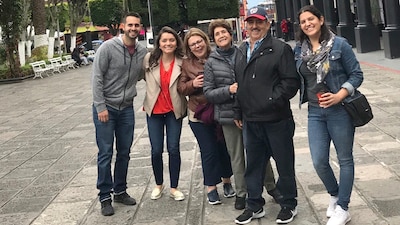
x=359, y=109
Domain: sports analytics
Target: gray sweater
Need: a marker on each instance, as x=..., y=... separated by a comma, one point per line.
x=115, y=74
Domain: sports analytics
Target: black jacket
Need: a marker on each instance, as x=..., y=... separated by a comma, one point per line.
x=218, y=76
x=266, y=83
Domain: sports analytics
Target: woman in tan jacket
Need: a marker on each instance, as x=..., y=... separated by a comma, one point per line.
x=165, y=107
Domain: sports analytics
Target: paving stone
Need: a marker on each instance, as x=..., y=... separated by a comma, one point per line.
x=54, y=178
x=25, y=205
x=17, y=218
x=63, y=213
x=6, y=195
x=14, y=183
x=45, y=190
x=24, y=173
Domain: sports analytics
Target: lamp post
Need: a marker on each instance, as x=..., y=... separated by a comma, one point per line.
x=67, y=36
x=149, y=35
x=88, y=36
x=150, y=18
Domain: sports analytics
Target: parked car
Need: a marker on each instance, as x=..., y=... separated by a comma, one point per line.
x=96, y=44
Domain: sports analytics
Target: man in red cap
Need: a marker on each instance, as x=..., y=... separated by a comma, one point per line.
x=267, y=79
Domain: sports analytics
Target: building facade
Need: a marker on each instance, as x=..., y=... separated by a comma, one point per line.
x=364, y=23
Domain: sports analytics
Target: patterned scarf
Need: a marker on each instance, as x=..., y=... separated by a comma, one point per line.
x=317, y=62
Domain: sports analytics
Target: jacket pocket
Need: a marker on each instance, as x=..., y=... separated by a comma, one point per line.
x=335, y=55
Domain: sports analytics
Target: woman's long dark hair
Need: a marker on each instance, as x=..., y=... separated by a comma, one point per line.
x=156, y=53
x=325, y=31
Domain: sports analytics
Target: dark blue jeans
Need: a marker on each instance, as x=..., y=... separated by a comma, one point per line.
x=173, y=126
x=215, y=160
x=263, y=140
x=121, y=124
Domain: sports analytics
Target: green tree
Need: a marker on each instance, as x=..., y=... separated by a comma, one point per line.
x=172, y=12
x=184, y=11
x=25, y=43
x=210, y=9
x=77, y=10
x=10, y=19
x=53, y=14
x=107, y=13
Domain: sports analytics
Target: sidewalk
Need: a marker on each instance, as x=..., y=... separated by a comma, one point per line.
x=48, y=160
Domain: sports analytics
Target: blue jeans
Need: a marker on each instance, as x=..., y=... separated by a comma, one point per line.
x=155, y=126
x=263, y=140
x=324, y=126
x=121, y=123
x=215, y=160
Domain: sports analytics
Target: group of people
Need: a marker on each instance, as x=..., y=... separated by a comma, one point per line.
x=80, y=57
x=246, y=90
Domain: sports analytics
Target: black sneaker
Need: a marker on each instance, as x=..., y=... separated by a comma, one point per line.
x=276, y=194
x=248, y=215
x=106, y=208
x=213, y=197
x=240, y=203
x=286, y=215
x=228, y=190
x=125, y=199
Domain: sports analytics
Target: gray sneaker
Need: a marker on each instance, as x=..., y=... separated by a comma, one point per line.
x=213, y=197
x=228, y=190
x=106, y=208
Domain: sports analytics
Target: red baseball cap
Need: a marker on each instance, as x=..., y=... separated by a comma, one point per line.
x=257, y=12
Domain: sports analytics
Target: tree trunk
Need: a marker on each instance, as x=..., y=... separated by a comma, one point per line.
x=39, y=23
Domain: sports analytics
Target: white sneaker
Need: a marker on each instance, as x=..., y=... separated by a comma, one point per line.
x=340, y=217
x=331, y=207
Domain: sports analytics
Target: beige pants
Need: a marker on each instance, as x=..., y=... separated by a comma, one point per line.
x=234, y=143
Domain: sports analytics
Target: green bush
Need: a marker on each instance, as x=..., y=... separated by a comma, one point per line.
x=2, y=54
x=39, y=53
x=26, y=70
x=4, y=71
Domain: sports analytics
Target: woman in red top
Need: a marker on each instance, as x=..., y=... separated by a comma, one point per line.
x=165, y=107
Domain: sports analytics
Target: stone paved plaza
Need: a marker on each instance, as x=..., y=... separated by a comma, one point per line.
x=48, y=160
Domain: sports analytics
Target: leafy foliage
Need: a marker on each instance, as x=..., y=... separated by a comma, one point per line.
x=210, y=9
x=77, y=10
x=107, y=13
x=164, y=12
x=10, y=19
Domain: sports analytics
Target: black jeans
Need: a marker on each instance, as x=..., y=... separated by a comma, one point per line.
x=263, y=140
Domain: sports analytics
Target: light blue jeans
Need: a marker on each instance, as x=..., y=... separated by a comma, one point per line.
x=326, y=125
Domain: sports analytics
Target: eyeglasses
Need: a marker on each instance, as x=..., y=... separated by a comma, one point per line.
x=196, y=43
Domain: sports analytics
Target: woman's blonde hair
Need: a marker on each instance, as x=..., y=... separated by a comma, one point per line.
x=196, y=32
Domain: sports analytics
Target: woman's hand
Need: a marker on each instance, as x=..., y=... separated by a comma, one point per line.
x=198, y=81
x=239, y=123
x=233, y=88
x=329, y=99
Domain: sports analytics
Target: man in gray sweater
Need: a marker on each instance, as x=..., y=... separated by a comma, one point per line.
x=116, y=69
